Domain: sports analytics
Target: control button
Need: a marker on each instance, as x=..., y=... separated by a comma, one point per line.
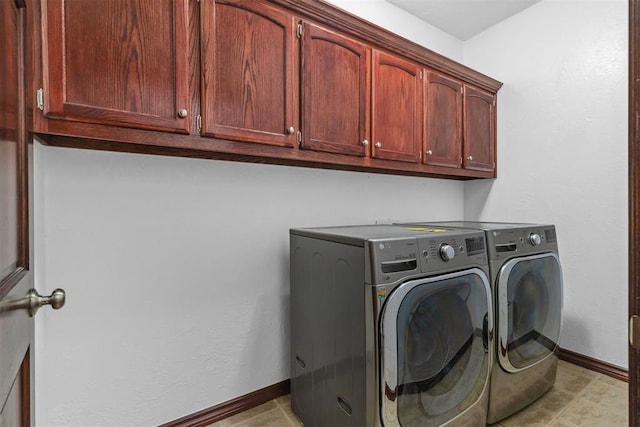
x=447, y=252
x=534, y=239
x=425, y=254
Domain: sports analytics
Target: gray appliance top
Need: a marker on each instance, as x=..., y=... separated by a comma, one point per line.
x=477, y=225
x=358, y=234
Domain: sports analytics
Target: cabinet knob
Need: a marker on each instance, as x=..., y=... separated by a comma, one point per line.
x=291, y=130
x=378, y=144
x=365, y=142
x=429, y=152
x=182, y=113
x=470, y=158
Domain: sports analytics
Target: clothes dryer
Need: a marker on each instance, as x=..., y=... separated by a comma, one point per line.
x=526, y=277
x=390, y=326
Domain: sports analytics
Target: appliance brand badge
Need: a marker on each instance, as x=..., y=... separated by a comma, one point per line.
x=382, y=293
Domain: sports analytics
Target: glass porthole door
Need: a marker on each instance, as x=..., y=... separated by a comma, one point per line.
x=529, y=310
x=435, y=348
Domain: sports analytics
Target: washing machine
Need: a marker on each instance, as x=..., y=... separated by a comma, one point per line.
x=390, y=326
x=526, y=277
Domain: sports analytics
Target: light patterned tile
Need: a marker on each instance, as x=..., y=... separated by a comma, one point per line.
x=560, y=423
x=580, y=398
x=554, y=401
x=585, y=413
x=273, y=418
x=607, y=395
x=612, y=381
x=573, y=379
x=243, y=416
x=529, y=418
x=562, y=365
x=284, y=400
x=285, y=404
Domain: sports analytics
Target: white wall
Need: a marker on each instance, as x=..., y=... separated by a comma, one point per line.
x=404, y=24
x=562, y=153
x=176, y=270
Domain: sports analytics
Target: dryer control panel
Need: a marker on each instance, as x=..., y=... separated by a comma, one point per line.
x=507, y=242
x=395, y=259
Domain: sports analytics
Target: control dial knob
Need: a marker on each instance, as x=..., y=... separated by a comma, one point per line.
x=534, y=239
x=447, y=252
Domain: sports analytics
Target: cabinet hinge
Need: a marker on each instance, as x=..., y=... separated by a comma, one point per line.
x=40, y=99
x=460, y=161
x=494, y=102
x=199, y=122
x=299, y=137
x=421, y=77
x=300, y=30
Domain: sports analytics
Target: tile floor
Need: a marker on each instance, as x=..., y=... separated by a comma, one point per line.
x=579, y=398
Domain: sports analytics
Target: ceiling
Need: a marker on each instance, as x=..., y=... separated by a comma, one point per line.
x=463, y=18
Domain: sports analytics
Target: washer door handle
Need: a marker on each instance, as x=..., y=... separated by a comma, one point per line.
x=485, y=332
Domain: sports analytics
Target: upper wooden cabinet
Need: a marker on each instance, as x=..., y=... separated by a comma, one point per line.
x=249, y=72
x=397, y=108
x=479, y=130
x=290, y=82
x=117, y=62
x=335, y=92
x=443, y=120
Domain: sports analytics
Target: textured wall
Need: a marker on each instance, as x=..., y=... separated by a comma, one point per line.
x=562, y=153
x=176, y=270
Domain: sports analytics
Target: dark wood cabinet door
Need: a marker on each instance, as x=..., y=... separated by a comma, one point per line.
x=117, y=62
x=443, y=121
x=249, y=72
x=335, y=92
x=479, y=130
x=16, y=278
x=397, y=108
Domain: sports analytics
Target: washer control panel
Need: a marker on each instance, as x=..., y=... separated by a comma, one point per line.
x=397, y=258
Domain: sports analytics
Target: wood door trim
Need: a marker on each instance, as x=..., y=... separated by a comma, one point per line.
x=634, y=206
x=232, y=407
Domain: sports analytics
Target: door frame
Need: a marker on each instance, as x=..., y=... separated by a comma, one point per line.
x=634, y=203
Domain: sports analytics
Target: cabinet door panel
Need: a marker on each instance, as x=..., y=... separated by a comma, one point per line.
x=335, y=92
x=249, y=74
x=479, y=130
x=121, y=62
x=397, y=109
x=443, y=121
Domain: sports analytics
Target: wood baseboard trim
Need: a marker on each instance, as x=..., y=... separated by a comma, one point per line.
x=232, y=407
x=594, y=364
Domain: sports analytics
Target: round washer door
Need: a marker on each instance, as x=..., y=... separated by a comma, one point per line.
x=529, y=304
x=435, y=357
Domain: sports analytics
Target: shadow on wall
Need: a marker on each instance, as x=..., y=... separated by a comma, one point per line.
x=268, y=312
x=476, y=195
x=574, y=327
